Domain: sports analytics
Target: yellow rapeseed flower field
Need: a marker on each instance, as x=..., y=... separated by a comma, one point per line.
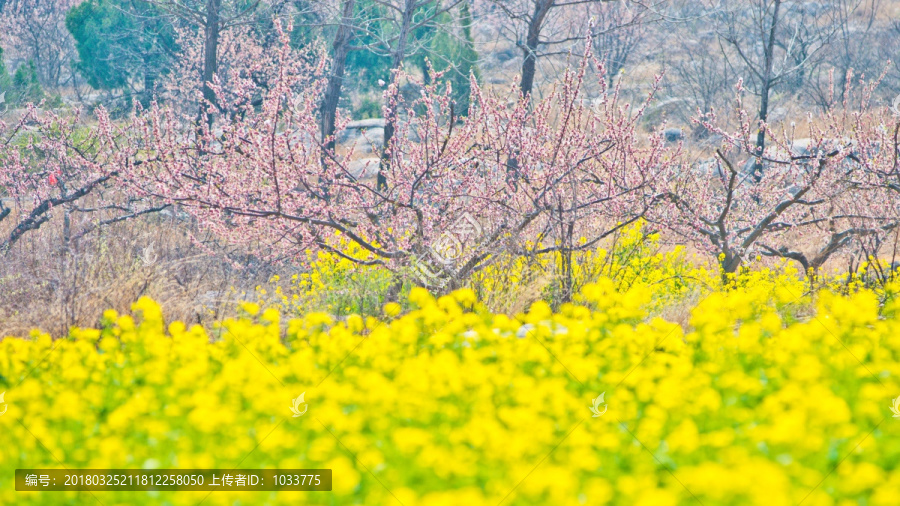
x=769, y=397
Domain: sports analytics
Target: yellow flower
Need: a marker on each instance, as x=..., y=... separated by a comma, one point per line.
x=392, y=309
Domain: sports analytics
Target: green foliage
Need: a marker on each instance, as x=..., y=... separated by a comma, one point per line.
x=369, y=106
x=446, y=50
x=453, y=53
x=122, y=44
x=334, y=285
x=306, y=25
x=23, y=86
x=366, y=66
x=467, y=56
x=4, y=76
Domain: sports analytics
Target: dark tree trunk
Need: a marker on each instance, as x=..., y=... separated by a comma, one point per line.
x=529, y=66
x=532, y=40
x=765, y=89
x=390, y=119
x=731, y=263
x=340, y=49
x=210, y=55
x=150, y=75
x=761, y=135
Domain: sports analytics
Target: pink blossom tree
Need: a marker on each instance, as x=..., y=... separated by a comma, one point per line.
x=51, y=163
x=262, y=177
x=825, y=192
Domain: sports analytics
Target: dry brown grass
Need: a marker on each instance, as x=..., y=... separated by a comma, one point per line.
x=52, y=284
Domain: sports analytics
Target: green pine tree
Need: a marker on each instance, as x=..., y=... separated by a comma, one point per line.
x=121, y=44
x=4, y=76
x=25, y=86
x=453, y=53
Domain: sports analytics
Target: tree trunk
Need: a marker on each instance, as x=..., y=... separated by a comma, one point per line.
x=529, y=65
x=730, y=264
x=340, y=49
x=765, y=89
x=210, y=56
x=391, y=117
x=150, y=74
x=761, y=134
x=532, y=40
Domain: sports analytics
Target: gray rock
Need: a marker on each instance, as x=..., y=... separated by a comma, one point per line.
x=373, y=134
x=776, y=115
x=709, y=167
x=801, y=147
x=673, y=135
x=747, y=167
x=366, y=123
x=362, y=147
x=412, y=133
x=364, y=168
x=369, y=140
x=176, y=214
x=506, y=54
x=355, y=128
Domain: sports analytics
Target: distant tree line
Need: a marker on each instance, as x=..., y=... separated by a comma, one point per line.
x=784, y=51
x=123, y=48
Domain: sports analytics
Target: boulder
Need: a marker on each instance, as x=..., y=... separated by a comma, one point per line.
x=509, y=53
x=366, y=123
x=369, y=140
x=673, y=135
x=708, y=168
x=355, y=128
x=777, y=115
x=801, y=147
x=412, y=133
x=364, y=168
x=364, y=134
